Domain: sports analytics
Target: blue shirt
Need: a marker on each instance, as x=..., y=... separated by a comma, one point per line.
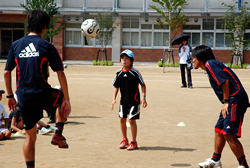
x=218, y=73
x=31, y=56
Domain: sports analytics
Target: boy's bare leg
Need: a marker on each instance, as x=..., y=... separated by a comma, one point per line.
x=59, y=116
x=219, y=142
x=235, y=145
x=133, y=126
x=29, y=145
x=58, y=139
x=7, y=134
x=123, y=127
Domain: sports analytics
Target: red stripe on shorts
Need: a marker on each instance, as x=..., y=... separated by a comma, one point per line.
x=220, y=131
x=233, y=112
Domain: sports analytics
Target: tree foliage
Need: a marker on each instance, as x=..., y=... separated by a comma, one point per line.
x=51, y=8
x=106, y=21
x=235, y=23
x=171, y=13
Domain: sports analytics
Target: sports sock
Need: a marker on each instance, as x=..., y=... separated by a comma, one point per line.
x=30, y=164
x=242, y=161
x=39, y=127
x=60, y=126
x=47, y=126
x=216, y=157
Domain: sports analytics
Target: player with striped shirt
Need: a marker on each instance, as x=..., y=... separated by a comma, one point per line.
x=127, y=79
x=234, y=98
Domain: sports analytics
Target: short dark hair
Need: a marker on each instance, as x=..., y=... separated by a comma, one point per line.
x=36, y=20
x=203, y=53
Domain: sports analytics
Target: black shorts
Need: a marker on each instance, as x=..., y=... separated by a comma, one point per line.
x=132, y=111
x=31, y=115
x=232, y=124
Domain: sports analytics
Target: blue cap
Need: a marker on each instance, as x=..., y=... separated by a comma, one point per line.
x=129, y=53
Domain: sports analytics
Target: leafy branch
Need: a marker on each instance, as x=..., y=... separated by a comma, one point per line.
x=51, y=8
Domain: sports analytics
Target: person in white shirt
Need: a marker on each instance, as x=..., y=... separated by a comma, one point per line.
x=4, y=132
x=185, y=51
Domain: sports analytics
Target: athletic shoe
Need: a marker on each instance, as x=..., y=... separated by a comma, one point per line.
x=183, y=86
x=60, y=141
x=52, y=128
x=132, y=146
x=123, y=144
x=43, y=131
x=242, y=167
x=209, y=163
x=190, y=87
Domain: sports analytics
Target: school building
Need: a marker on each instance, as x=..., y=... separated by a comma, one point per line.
x=136, y=28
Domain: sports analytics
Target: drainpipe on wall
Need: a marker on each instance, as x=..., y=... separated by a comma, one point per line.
x=239, y=4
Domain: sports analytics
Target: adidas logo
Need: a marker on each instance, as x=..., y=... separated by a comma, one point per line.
x=29, y=51
x=228, y=127
x=125, y=75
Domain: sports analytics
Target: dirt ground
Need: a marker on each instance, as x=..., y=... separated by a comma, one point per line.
x=93, y=130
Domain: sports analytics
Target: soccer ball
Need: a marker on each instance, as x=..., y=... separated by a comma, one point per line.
x=90, y=28
x=65, y=65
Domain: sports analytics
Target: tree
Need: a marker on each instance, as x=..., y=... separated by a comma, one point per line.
x=236, y=20
x=106, y=21
x=172, y=15
x=50, y=7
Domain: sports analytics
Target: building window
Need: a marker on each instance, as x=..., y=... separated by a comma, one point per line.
x=74, y=37
x=209, y=33
x=9, y=32
x=130, y=32
x=137, y=33
x=73, y=34
x=247, y=38
x=219, y=23
x=195, y=35
x=208, y=24
x=146, y=39
x=208, y=39
x=161, y=39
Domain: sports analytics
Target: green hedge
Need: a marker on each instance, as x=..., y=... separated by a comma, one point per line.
x=103, y=63
x=170, y=64
x=236, y=66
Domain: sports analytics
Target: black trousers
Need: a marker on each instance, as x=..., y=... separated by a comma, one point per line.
x=183, y=77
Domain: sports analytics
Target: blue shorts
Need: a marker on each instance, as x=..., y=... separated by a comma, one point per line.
x=31, y=115
x=132, y=111
x=232, y=124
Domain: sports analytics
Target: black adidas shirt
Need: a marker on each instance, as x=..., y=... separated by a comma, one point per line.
x=31, y=55
x=128, y=82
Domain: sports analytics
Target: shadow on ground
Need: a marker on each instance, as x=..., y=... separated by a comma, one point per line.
x=16, y=137
x=181, y=165
x=166, y=148
x=84, y=117
x=75, y=123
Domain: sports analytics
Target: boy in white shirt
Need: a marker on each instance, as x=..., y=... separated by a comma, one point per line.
x=4, y=132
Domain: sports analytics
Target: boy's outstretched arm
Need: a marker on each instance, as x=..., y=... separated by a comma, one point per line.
x=143, y=100
x=65, y=107
x=114, y=97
